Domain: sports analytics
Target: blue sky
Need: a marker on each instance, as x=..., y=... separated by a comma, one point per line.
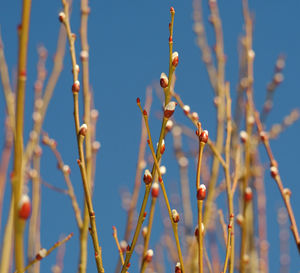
x=128, y=51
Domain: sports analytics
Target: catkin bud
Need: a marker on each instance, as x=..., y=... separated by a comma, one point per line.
x=76, y=87
x=147, y=177
x=66, y=169
x=149, y=255
x=263, y=136
x=144, y=231
x=24, y=207
x=155, y=190
x=178, y=268
x=248, y=194
x=175, y=59
x=243, y=136
x=203, y=136
x=41, y=254
x=123, y=245
x=201, y=192
x=186, y=109
x=175, y=216
x=169, y=125
x=169, y=109
x=83, y=129
x=164, y=81
x=162, y=147
x=273, y=171
x=61, y=16
x=195, y=116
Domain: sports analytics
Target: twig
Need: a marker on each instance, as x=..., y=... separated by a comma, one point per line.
x=65, y=169
x=44, y=253
x=19, y=224
x=167, y=93
x=80, y=138
x=115, y=235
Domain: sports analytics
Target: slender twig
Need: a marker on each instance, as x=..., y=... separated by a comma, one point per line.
x=174, y=224
x=7, y=90
x=229, y=244
x=41, y=256
x=66, y=173
x=148, y=235
x=223, y=225
x=138, y=175
x=19, y=224
x=200, y=200
x=4, y=163
x=85, y=10
x=80, y=140
x=34, y=223
x=115, y=235
x=167, y=93
x=57, y=68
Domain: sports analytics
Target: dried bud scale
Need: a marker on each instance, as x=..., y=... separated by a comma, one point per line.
x=243, y=136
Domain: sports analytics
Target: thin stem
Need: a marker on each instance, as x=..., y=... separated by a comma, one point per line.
x=19, y=224
x=88, y=138
x=174, y=225
x=229, y=244
x=200, y=241
x=57, y=68
x=115, y=235
x=7, y=90
x=39, y=258
x=87, y=193
x=167, y=93
x=65, y=170
x=149, y=229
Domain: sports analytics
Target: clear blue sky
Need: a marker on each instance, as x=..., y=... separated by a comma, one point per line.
x=128, y=51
